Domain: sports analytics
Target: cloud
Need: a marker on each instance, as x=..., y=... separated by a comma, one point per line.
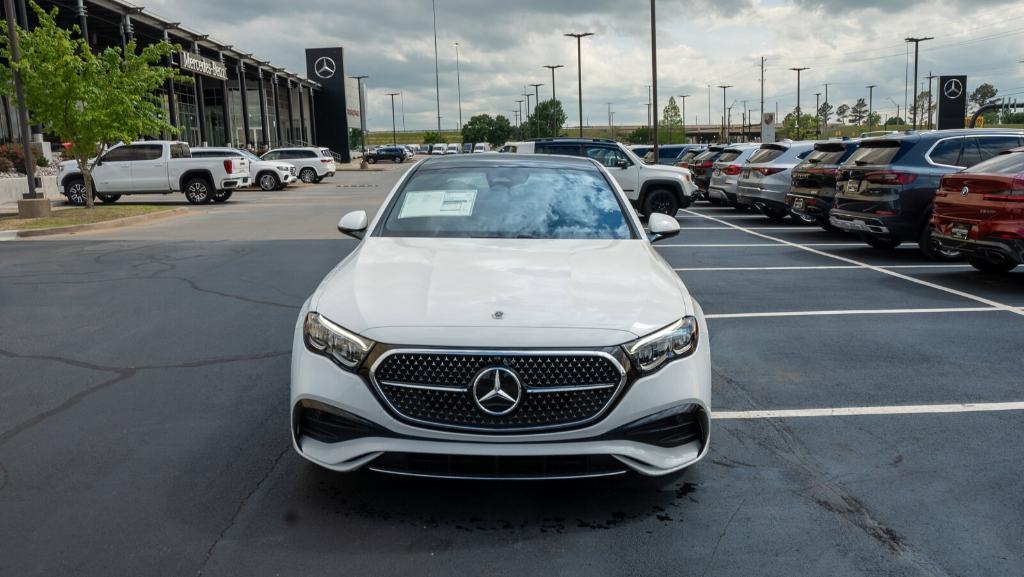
x=505, y=44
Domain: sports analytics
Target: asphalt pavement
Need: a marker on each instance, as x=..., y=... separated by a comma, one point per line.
x=144, y=415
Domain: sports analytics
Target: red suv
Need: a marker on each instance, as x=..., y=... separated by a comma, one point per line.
x=980, y=212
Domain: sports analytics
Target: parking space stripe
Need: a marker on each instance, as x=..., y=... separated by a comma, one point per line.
x=853, y=312
x=746, y=245
x=861, y=411
x=825, y=267
x=785, y=228
x=809, y=248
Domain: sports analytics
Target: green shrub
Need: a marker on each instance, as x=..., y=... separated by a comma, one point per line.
x=41, y=162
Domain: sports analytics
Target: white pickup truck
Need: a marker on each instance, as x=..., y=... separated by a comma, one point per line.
x=156, y=167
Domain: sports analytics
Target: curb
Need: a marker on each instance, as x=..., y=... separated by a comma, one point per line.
x=108, y=224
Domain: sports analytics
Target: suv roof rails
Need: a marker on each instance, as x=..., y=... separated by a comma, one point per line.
x=554, y=138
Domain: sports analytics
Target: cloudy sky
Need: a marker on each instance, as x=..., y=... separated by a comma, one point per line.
x=848, y=44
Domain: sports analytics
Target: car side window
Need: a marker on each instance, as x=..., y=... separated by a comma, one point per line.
x=272, y=156
x=147, y=152
x=120, y=154
x=947, y=152
x=180, y=151
x=608, y=157
x=970, y=155
x=564, y=149
x=305, y=154
x=995, y=145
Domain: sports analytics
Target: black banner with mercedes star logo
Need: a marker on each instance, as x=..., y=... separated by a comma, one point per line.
x=952, y=102
x=326, y=66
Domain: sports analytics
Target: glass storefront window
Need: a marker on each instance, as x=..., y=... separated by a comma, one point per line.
x=188, y=116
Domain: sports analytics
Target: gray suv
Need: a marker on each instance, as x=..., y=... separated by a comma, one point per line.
x=725, y=175
x=767, y=177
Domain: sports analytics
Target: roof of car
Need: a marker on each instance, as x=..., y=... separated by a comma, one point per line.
x=939, y=134
x=519, y=160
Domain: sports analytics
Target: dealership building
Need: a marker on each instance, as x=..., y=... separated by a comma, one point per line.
x=238, y=98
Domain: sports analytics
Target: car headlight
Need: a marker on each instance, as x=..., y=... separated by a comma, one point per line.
x=283, y=168
x=654, y=351
x=325, y=338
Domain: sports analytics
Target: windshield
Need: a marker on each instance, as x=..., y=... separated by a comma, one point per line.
x=248, y=155
x=1006, y=163
x=507, y=202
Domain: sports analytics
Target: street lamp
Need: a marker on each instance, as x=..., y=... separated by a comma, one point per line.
x=458, y=81
x=798, y=111
x=394, y=129
x=437, y=75
x=725, y=135
x=552, y=68
x=654, y=78
x=817, y=114
x=683, y=97
x=579, y=36
x=519, y=119
x=32, y=204
x=528, y=115
x=917, y=43
x=362, y=115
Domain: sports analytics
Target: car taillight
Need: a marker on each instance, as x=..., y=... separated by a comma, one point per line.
x=229, y=166
x=707, y=164
x=731, y=170
x=770, y=171
x=890, y=177
x=326, y=160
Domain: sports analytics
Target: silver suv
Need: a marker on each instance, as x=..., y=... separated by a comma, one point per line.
x=767, y=177
x=313, y=164
x=725, y=174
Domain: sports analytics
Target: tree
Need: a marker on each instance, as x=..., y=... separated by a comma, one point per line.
x=825, y=113
x=434, y=138
x=671, y=118
x=355, y=139
x=641, y=135
x=92, y=100
x=859, y=112
x=547, y=120
x=789, y=125
x=894, y=121
x=501, y=131
x=478, y=129
x=922, y=109
x=982, y=95
x=874, y=119
x=841, y=113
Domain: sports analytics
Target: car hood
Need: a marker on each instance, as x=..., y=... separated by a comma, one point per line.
x=663, y=170
x=447, y=292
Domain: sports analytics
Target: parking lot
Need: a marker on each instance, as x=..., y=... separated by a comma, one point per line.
x=868, y=411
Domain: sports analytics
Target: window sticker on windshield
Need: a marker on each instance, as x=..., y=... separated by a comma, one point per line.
x=430, y=203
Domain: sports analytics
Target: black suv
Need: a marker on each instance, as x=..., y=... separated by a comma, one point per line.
x=814, y=180
x=702, y=166
x=392, y=153
x=886, y=189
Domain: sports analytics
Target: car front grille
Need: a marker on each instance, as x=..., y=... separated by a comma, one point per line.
x=498, y=467
x=557, y=390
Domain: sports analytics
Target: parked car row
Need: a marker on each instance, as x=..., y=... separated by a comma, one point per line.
x=955, y=193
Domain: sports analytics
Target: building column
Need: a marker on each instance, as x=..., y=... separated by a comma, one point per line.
x=264, y=120
x=200, y=101
x=312, y=116
x=302, y=116
x=83, y=20
x=172, y=109
x=229, y=130
x=245, y=102
x=277, y=107
x=291, y=113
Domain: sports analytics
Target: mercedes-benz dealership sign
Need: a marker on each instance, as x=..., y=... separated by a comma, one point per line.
x=952, y=102
x=190, y=62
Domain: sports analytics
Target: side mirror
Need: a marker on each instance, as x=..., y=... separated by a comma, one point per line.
x=353, y=224
x=623, y=164
x=662, y=226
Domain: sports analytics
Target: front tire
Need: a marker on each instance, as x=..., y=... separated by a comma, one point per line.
x=75, y=191
x=308, y=175
x=269, y=182
x=661, y=201
x=198, y=191
x=988, y=267
x=880, y=242
x=108, y=198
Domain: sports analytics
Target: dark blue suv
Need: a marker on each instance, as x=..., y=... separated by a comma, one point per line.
x=886, y=189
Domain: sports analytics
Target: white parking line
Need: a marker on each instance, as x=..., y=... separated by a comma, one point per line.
x=785, y=228
x=745, y=245
x=808, y=248
x=857, y=411
x=826, y=267
x=852, y=312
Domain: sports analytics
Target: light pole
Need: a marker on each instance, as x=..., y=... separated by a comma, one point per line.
x=32, y=204
x=896, y=104
x=394, y=128
x=402, y=97
x=798, y=71
x=552, y=68
x=437, y=76
x=579, y=36
x=654, y=79
x=725, y=135
x=817, y=114
x=917, y=43
x=519, y=119
x=536, y=102
x=930, y=77
x=458, y=82
x=871, y=104
x=683, y=97
x=362, y=116
x=528, y=115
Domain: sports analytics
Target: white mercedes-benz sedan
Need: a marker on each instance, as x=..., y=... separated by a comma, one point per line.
x=504, y=317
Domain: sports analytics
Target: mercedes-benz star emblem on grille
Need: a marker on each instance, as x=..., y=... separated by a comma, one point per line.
x=965, y=191
x=498, y=315
x=325, y=67
x=953, y=88
x=497, y=391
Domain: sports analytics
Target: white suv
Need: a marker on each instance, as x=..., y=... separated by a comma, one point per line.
x=267, y=174
x=477, y=332
x=651, y=188
x=313, y=164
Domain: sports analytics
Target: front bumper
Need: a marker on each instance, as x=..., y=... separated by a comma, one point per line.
x=684, y=384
